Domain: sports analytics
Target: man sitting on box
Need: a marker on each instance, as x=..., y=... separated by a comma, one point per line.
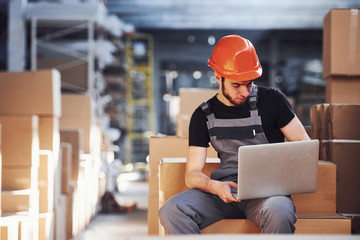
x=240, y=114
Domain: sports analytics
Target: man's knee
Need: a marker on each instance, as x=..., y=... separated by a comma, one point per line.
x=166, y=210
x=279, y=213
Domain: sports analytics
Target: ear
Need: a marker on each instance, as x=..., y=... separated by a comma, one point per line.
x=217, y=77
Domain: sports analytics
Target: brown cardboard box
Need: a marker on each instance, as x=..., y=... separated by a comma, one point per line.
x=345, y=154
x=75, y=77
x=1, y=175
x=36, y=92
x=18, y=178
x=19, y=200
x=69, y=215
x=73, y=137
x=78, y=112
x=46, y=226
x=341, y=40
x=335, y=121
x=355, y=224
x=172, y=178
x=324, y=129
x=306, y=224
x=172, y=181
x=66, y=153
x=190, y=99
x=343, y=121
x=315, y=121
x=20, y=140
x=27, y=224
x=341, y=89
x=46, y=179
x=324, y=200
x=9, y=228
x=159, y=148
x=49, y=136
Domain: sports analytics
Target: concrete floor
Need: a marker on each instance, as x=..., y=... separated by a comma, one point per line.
x=116, y=226
x=121, y=226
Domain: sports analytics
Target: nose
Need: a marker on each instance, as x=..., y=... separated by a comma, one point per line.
x=244, y=91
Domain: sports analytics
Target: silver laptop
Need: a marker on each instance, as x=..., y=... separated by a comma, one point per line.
x=277, y=169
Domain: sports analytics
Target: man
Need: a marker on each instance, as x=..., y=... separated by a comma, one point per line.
x=240, y=114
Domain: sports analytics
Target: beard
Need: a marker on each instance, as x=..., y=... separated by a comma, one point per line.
x=228, y=97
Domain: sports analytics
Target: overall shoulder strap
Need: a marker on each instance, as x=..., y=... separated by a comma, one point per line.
x=253, y=98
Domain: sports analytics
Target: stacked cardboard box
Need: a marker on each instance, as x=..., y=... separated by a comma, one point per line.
x=78, y=112
x=341, y=61
x=20, y=155
x=336, y=125
x=71, y=149
x=82, y=135
x=51, y=183
x=0, y=171
x=159, y=148
x=341, y=56
x=9, y=228
x=317, y=210
x=190, y=99
x=30, y=108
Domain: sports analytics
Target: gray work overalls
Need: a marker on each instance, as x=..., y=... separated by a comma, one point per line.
x=192, y=210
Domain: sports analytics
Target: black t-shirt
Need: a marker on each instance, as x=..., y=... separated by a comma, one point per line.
x=274, y=109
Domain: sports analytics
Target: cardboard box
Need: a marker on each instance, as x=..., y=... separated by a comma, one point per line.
x=343, y=121
x=1, y=175
x=159, y=148
x=78, y=112
x=335, y=121
x=342, y=89
x=315, y=121
x=36, y=92
x=345, y=154
x=324, y=129
x=9, y=228
x=355, y=224
x=49, y=136
x=27, y=224
x=69, y=215
x=46, y=179
x=324, y=199
x=172, y=177
x=46, y=226
x=66, y=153
x=18, y=178
x=340, y=56
x=190, y=99
x=73, y=137
x=20, y=140
x=306, y=224
x=172, y=181
x=19, y=200
x=74, y=77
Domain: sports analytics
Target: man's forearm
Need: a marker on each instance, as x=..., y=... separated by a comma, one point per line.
x=200, y=181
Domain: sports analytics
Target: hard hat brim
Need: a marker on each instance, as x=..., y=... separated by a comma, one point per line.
x=243, y=76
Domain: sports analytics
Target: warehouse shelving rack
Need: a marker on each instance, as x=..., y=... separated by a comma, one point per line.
x=139, y=96
x=63, y=20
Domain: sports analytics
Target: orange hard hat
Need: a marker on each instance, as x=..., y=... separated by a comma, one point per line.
x=234, y=57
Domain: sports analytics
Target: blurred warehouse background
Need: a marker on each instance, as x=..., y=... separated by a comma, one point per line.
x=133, y=57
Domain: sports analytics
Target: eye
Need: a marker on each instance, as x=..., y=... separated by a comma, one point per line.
x=250, y=83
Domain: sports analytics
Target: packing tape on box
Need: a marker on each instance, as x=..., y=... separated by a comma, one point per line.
x=353, y=37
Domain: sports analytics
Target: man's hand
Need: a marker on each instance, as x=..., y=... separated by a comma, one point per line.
x=195, y=178
x=223, y=190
